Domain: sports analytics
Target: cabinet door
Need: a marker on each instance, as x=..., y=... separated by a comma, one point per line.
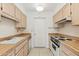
x=66, y=51
x=66, y=10
x=0, y=11
x=8, y=9
x=75, y=13
x=26, y=48
x=19, y=47
x=61, y=53
x=55, y=18
x=20, y=53
x=11, y=53
x=18, y=14
x=58, y=16
x=19, y=18
x=23, y=22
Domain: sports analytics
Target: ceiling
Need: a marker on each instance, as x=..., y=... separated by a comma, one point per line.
x=30, y=7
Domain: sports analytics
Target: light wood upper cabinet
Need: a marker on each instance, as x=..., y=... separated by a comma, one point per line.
x=55, y=18
x=22, y=22
x=63, y=13
x=21, y=18
x=58, y=16
x=66, y=11
x=18, y=14
x=70, y=11
x=75, y=13
x=8, y=10
x=0, y=11
x=0, y=7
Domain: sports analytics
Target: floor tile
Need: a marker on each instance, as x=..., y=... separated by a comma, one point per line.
x=40, y=52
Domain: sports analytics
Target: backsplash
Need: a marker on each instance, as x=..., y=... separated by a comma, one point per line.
x=68, y=29
x=7, y=26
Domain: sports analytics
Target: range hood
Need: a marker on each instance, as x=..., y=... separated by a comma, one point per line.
x=64, y=20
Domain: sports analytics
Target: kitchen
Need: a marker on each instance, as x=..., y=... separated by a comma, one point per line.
x=39, y=29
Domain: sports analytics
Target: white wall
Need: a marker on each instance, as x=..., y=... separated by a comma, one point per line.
x=70, y=30
x=7, y=26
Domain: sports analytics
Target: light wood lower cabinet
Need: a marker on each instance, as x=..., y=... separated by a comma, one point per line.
x=20, y=53
x=12, y=53
x=26, y=48
x=25, y=51
x=61, y=53
x=22, y=49
x=20, y=46
x=65, y=51
x=9, y=53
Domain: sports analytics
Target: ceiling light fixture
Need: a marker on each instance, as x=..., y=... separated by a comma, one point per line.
x=39, y=8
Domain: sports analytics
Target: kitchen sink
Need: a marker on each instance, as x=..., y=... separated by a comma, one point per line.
x=12, y=41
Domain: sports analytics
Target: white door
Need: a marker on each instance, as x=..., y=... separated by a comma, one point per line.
x=40, y=33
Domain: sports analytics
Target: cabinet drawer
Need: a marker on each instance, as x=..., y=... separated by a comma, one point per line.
x=20, y=46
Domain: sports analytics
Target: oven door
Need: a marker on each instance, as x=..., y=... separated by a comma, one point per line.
x=53, y=49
